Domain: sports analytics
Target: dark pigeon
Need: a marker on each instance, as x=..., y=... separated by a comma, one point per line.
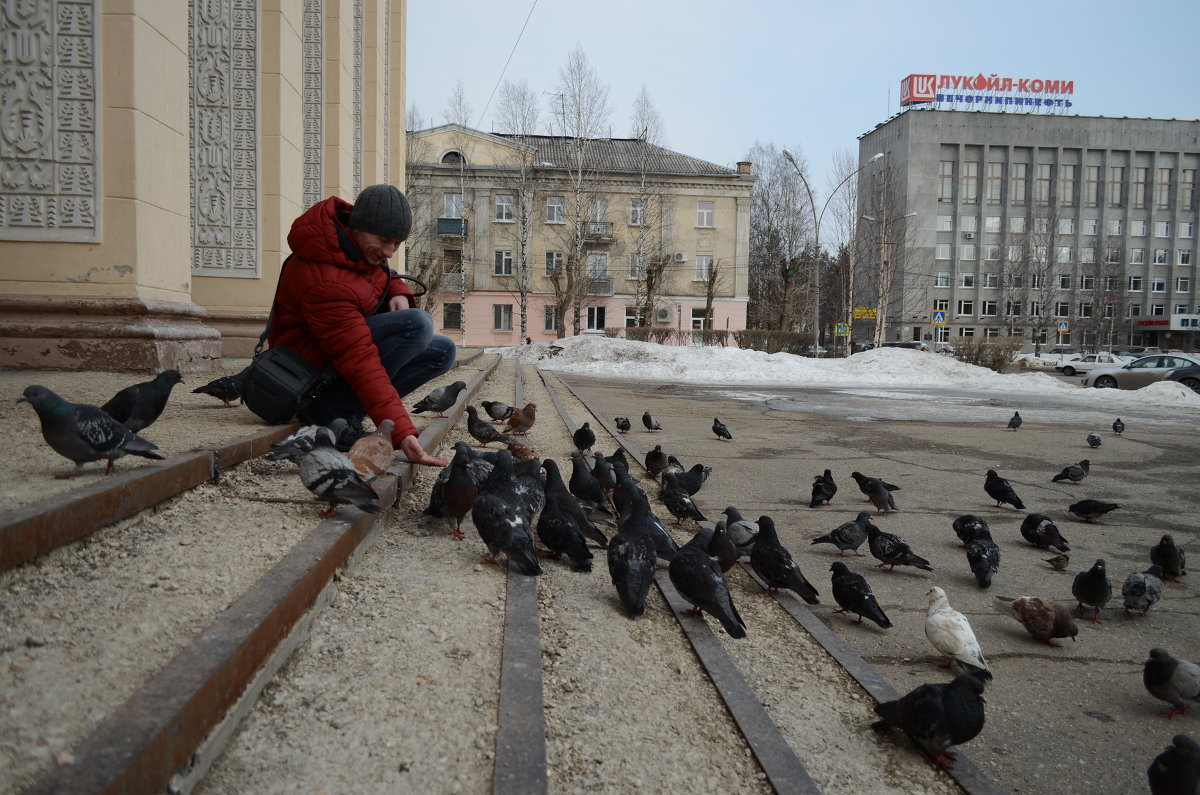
x=983, y=556
x=650, y=423
x=1094, y=439
x=440, y=399
x=227, y=388
x=698, y=579
x=1015, y=421
x=461, y=487
x=1176, y=770
x=606, y=476
x=656, y=461
x=483, y=432
x=1073, y=472
x=854, y=595
x=848, y=535
x=499, y=412
x=1040, y=531
x=1092, y=588
x=585, y=487
x=631, y=558
x=878, y=492
x=530, y=488
x=673, y=466
x=1174, y=681
x=1118, y=426
x=1141, y=590
x=1043, y=619
x=584, y=437
x=720, y=430
x=1091, y=510
x=501, y=517
x=558, y=496
x=893, y=550
x=693, y=479
x=773, y=563
x=866, y=484
x=618, y=461
x=295, y=445
x=559, y=532
x=330, y=475
x=1001, y=491
x=823, y=489
x=721, y=549
x=938, y=715
x=742, y=531
x=479, y=467
x=632, y=497
x=967, y=525
x=138, y=406
x=80, y=432
x=678, y=502
x=623, y=424
x=1169, y=557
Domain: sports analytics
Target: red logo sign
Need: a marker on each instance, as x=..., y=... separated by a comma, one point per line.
x=918, y=88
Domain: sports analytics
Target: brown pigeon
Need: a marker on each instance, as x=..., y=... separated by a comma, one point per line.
x=372, y=454
x=522, y=419
x=1042, y=618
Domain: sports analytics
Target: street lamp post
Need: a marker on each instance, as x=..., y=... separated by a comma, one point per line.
x=816, y=276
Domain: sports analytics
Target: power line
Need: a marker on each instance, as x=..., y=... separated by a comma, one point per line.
x=506, y=63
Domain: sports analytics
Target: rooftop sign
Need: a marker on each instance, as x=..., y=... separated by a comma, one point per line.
x=986, y=92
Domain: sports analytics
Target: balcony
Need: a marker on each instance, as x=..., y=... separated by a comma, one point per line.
x=599, y=286
x=598, y=231
x=452, y=227
x=451, y=282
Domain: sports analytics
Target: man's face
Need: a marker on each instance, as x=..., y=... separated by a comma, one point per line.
x=375, y=249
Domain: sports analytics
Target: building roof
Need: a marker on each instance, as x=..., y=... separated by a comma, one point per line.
x=617, y=154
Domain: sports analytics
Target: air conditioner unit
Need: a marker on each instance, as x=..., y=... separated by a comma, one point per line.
x=681, y=256
x=663, y=313
x=969, y=235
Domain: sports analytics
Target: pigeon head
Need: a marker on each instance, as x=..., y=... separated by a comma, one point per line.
x=838, y=568
x=766, y=529
x=169, y=378
x=937, y=597
x=991, y=473
x=1098, y=566
x=858, y=476
x=733, y=514
x=1160, y=655
x=43, y=400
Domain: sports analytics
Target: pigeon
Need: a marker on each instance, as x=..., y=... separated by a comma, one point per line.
x=1174, y=681
x=618, y=461
x=693, y=479
x=502, y=518
x=138, y=406
x=1043, y=619
x=530, y=488
x=950, y=633
x=720, y=430
x=673, y=466
x=302, y=441
x=893, y=551
x=498, y=411
x=584, y=486
x=983, y=556
x=967, y=526
x=1015, y=422
x=456, y=492
x=721, y=549
x=520, y=452
x=773, y=563
x=679, y=503
x=1177, y=769
x=606, y=476
x=1141, y=590
x=632, y=498
x=82, y=432
x=937, y=715
x=1094, y=439
x=1001, y=490
x=561, y=499
x=623, y=424
x=1118, y=426
x=1073, y=472
x=584, y=438
x=1040, y=531
x=650, y=423
x=1091, y=510
x=1169, y=557
x=1092, y=588
x=372, y=454
x=558, y=531
x=853, y=595
x=848, y=535
x=227, y=388
x=329, y=474
x=440, y=399
x=656, y=461
x=878, y=492
x=698, y=579
x=823, y=489
x=483, y=432
x=742, y=532
x=1059, y=562
x=522, y=419
x=631, y=558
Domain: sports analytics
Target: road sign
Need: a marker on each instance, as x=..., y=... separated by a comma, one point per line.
x=1063, y=327
x=938, y=318
x=840, y=330
x=865, y=312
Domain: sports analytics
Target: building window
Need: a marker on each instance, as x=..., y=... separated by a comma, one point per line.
x=966, y=307
x=970, y=186
x=941, y=334
x=1035, y=309
x=1162, y=189
x=1066, y=254
x=991, y=280
x=995, y=181
x=451, y=260
x=991, y=252
x=966, y=251
x=1016, y=253
x=1158, y=309
x=502, y=315
x=1140, y=175
x=703, y=267
x=966, y=280
x=1085, y=309
x=1020, y=175
x=946, y=181
x=1041, y=189
x=1135, y=310
x=1180, y=309
x=1112, y=283
x=705, y=215
x=631, y=313
x=1108, y=309
x=1016, y=224
x=554, y=262
x=1137, y=228
x=1087, y=255
x=941, y=279
x=504, y=207
x=987, y=309
x=941, y=304
x=1162, y=228
x=1064, y=281
x=1158, y=284
x=1112, y=256
x=595, y=318
x=1135, y=284
x=1160, y=256
x=452, y=208
x=503, y=264
x=1115, y=226
x=1185, y=256
x=945, y=223
x=941, y=251
x=599, y=212
x=1037, y=281
x=637, y=266
x=1066, y=226
x=1187, y=229
x=451, y=315
x=969, y=223
x=699, y=318
x=1137, y=256
x=1087, y=282
x=638, y=212
x=1041, y=226
x=1040, y=253
x=550, y=317
x=1091, y=194
x=991, y=223
x=556, y=210
x=1012, y=308
x=1116, y=181
x=1187, y=189
x=966, y=332
x=1066, y=185
x=597, y=265
x=1062, y=309
x=1091, y=226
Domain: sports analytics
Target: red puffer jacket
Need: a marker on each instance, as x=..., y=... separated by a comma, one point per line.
x=321, y=308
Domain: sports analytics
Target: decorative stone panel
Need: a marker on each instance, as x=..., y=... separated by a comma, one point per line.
x=313, y=101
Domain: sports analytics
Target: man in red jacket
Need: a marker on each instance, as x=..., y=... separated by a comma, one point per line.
x=338, y=303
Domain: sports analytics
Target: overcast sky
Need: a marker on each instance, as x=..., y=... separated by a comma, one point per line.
x=804, y=76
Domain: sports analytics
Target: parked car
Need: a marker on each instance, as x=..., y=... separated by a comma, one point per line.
x=1138, y=373
x=916, y=345
x=1048, y=358
x=1084, y=364
x=1188, y=376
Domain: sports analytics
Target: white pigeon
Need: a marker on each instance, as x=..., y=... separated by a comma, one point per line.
x=950, y=633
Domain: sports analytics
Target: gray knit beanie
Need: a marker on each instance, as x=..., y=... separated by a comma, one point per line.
x=382, y=210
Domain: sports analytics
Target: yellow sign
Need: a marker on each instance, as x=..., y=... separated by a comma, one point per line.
x=865, y=312
x=938, y=317
x=840, y=330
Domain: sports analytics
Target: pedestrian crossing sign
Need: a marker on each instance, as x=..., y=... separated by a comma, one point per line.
x=1063, y=327
x=840, y=330
x=938, y=318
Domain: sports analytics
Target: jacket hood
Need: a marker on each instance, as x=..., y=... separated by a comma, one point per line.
x=320, y=235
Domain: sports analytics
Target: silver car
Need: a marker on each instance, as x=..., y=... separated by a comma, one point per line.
x=1138, y=373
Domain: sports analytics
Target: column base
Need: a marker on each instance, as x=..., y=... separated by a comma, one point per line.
x=239, y=329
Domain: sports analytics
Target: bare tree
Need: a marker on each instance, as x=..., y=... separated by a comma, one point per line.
x=518, y=111
x=413, y=120
x=843, y=222
x=891, y=267
x=714, y=282
x=650, y=255
x=1039, y=271
x=1102, y=277
x=779, y=230
x=645, y=122
x=458, y=110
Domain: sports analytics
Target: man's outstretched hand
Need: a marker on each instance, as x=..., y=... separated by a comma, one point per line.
x=411, y=447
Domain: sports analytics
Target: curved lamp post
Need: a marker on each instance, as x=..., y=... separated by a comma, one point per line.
x=816, y=277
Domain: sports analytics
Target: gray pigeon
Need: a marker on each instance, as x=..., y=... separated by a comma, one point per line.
x=848, y=535
x=854, y=595
x=1142, y=590
x=1174, y=681
x=483, y=432
x=1092, y=588
x=983, y=556
x=720, y=430
x=623, y=424
x=656, y=461
x=1177, y=769
x=877, y=491
x=440, y=399
x=1073, y=472
x=698, y=579
x=631, y=557
x=1001, y=490
x=331, y=476
x=499, y=412
x=893, y=551
x=1040, y=531
x=1094, y=439
x=138, y=406
x=302, y=441
x=938, y=715
x=1015, y=421
x=1169, y=557
x=773, y=563
x=678, y=502
x=81, y=432
x=650, y=423
x=1118, y=426
x=1091, y=510
x=502, y=518
x=823, y=489
x=227, y=388
x=742, y=532
x=606, y=476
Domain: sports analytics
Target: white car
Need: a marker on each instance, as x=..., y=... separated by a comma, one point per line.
x=1085, y=364
x=1050, y=358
